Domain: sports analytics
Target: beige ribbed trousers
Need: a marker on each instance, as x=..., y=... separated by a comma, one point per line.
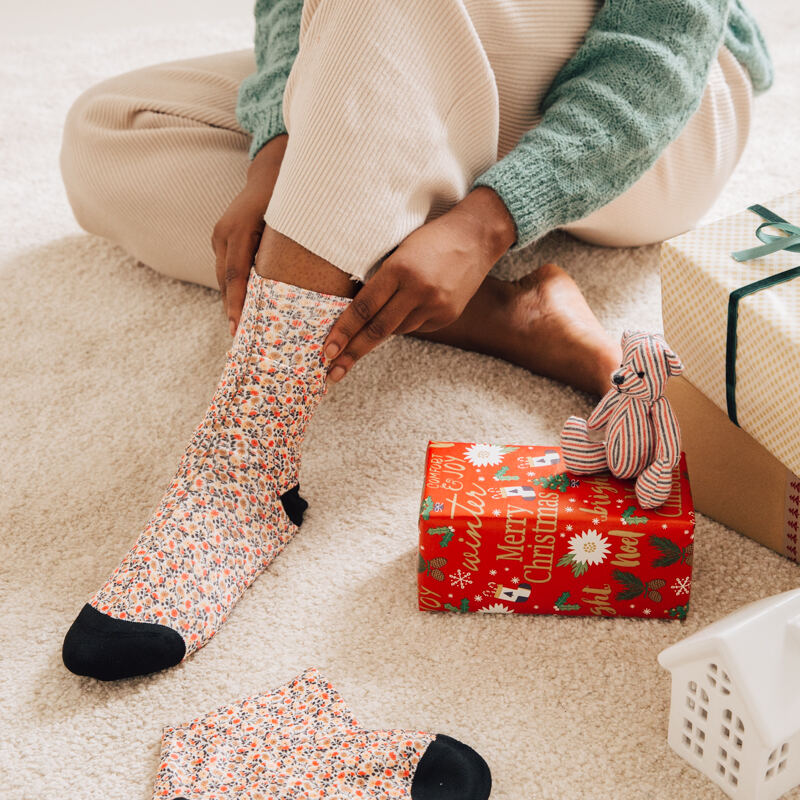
x=393, y=108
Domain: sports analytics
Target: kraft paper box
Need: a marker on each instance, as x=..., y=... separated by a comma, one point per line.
x=506, y=529
x=735, y=480
x=736, y=325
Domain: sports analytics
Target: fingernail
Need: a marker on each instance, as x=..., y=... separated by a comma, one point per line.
x=335, y=374
x=332, y=350
x=233, y=328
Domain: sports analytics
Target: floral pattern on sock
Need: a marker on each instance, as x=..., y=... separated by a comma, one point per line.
x=193, y=755
x=220, y=522
x=300, y=741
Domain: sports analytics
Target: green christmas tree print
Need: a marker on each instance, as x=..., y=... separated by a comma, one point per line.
x=559, y=481
x=462, y=609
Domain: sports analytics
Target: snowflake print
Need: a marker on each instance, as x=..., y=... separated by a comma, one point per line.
x=493, y=572
x=460, y=579
x=531, y=474
x=664, y=525
x=595, y=521
x=647, y=611
x=515, y=580
x=569, y=527
x=479, y=597
x=496, y=512
x=569, y=509
x=619, y=502
x=681, y=585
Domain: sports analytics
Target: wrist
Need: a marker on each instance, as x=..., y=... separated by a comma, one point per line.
x=493, y=223
x=267, y=161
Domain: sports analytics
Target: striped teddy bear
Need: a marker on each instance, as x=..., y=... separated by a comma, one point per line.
x=642, y=435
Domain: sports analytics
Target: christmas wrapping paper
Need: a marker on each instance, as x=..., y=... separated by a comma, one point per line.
x=506, y=529
x=736, y=324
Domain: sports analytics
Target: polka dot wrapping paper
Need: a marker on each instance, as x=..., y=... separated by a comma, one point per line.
x=743, y=355
x=507, y=529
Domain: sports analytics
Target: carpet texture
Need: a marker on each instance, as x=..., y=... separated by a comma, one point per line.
x=106, y=369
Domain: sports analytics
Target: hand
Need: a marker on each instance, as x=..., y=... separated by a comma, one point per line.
x=237, y=234
x=426, y=282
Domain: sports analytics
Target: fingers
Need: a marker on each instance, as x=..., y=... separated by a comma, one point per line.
x=364, y=307
x=219, y=245
x=238, y=260
x=377, y=330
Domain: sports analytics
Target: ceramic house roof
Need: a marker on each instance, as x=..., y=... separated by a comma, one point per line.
x=759, y=647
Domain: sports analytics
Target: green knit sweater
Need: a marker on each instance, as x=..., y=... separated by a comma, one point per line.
x=625, y=94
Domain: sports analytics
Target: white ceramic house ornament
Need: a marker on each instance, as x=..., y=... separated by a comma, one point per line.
x=735, y=707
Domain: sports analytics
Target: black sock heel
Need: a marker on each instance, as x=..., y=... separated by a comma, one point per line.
x=294, y=505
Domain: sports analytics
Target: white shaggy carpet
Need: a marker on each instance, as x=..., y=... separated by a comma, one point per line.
x=108, y=366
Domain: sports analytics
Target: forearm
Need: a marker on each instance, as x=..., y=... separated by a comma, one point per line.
x=263, y=169
x=625, y=94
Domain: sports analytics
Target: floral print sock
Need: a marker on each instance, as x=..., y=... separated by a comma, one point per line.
x=304, y=743
x=195, y=755
x=233, y=503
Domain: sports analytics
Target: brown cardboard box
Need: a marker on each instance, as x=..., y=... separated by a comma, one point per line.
x=734, y=479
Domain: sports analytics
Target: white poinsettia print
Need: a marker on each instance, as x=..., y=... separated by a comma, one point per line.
x=496, y=608
x=585, y=549
x=484, y=455
x=589, y=547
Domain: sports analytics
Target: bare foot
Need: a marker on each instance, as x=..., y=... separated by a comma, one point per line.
x=565, y=340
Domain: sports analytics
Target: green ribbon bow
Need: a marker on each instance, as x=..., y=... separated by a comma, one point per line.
x=771, y=245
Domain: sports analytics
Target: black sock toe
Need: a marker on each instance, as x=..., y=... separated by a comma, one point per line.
x=294, y=505
x=102, y=647
x=450, y=770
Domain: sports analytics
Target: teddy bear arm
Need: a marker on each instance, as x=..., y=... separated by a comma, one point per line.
x=605, y=408
x=667, y=433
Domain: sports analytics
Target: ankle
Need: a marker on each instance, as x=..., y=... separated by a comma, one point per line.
x=282, y=259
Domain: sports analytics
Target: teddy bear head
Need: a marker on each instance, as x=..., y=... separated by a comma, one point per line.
x=647, y=362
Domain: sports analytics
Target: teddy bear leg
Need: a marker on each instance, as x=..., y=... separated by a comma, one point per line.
x=654, y=485
x=581, y=455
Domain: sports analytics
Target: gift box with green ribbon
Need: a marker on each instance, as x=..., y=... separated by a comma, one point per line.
x=731, y=310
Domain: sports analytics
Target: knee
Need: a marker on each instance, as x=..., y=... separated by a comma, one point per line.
x=83, y=153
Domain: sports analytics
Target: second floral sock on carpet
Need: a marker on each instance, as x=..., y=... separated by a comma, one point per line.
x=233, y=503
x=302, y=741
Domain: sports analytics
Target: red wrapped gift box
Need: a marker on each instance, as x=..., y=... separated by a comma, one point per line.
x=506, y=529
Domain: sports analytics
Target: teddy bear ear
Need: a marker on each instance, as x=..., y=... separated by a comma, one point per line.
x=674, y=366
x=627, y=334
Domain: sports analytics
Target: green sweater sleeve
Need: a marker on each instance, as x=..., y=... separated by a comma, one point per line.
x=259, y=107
x=626, y=93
